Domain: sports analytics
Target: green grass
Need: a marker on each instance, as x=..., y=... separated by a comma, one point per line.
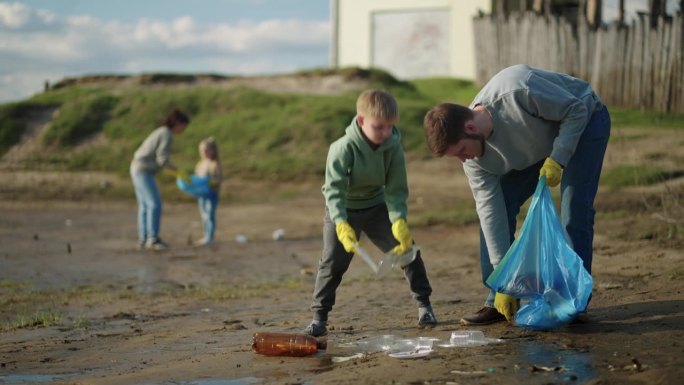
x=79, y=119
x=457, y=216
x=43, y=317
x=635, y=175
x=260, y=134
x=451, y=90
x=621, y=117
x=12, y=122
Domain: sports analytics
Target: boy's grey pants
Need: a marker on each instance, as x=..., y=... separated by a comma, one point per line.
x=374, y=222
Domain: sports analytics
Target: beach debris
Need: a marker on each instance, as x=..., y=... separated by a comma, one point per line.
x=278, y=234
x=469, y=338
x=539, y=368
x=418, y=352
x=348, y=358
x=398, y=347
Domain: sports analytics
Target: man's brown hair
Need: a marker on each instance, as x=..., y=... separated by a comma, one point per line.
x=444, y=126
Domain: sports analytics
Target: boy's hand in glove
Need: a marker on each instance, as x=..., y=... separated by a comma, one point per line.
x=506, y=305
x=347, y=236
x=552, y=170
x=402, y=234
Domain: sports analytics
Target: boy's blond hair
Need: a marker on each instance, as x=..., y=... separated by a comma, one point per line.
x=377, y=104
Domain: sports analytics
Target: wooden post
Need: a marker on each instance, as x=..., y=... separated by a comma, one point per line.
x=594, y=13
x=538, y=6
x=500, y=8
x=656, y=9
x=542, y=6
x=621, y=12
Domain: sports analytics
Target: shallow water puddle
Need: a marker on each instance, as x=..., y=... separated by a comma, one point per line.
x=555, y=362
x=238, y=381
x=20, y=379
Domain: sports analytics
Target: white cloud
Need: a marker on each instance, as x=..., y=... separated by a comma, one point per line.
x=37, y=43
x=14, y=15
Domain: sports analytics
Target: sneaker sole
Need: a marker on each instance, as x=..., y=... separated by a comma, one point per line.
x=426, y=326
x=310, y=333
x=466, y=322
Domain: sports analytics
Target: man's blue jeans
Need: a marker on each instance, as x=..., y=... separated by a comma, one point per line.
x=578, y=187
x=149, y=205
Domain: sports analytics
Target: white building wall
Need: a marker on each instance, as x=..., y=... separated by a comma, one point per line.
x=353, y=33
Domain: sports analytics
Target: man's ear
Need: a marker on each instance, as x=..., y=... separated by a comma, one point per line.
x=470, y=128
x=359, y=120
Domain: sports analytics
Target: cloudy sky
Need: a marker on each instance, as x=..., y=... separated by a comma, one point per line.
x=50, y=40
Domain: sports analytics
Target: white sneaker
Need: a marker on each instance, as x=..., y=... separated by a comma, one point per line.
x=203, y=242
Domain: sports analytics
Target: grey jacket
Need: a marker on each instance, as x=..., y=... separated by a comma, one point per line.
x=535, y=114
x=153, y=154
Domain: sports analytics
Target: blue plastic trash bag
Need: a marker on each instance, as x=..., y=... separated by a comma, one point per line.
x=198, y=186
x=541, y=267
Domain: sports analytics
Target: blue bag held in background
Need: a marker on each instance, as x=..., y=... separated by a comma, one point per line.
x=540, y=266
x=198, y=186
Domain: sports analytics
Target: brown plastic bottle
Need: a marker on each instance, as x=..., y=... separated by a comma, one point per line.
x=286, y=344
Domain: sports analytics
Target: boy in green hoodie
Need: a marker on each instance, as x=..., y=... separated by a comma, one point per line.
x=365, y=191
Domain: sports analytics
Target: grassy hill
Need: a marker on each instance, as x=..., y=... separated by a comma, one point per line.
x=276, y=128
x=282, y=135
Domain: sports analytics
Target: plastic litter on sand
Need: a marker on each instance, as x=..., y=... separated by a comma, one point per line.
x=416, y=353
x=278, y=234
x=388, y=260
x=398, y=347
x=468, y=338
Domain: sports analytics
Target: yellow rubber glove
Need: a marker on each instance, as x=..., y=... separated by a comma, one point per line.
x=180, y=174
x=506, y=305
x=552, y=170
x=347, y=236
x=402, y=234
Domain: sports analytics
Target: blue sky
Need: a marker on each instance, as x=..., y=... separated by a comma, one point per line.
x=53, y=39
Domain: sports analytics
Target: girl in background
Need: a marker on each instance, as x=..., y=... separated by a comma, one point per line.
x=209, y=166
x=152, y=156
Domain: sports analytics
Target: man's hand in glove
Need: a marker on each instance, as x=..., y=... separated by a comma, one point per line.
x=402, y=234
x=553, y=171
x=347, y=236
x=506, y=305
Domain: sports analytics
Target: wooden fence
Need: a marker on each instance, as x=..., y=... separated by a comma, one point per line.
x=632, y=66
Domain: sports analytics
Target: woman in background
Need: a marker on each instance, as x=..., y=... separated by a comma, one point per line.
x=152, y=156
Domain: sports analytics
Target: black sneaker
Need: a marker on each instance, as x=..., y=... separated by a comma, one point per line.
x=581, y=318
x=426, y=317
x=485, y=316
x=316, y=329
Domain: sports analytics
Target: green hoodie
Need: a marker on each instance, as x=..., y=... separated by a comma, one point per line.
x=359, y=177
